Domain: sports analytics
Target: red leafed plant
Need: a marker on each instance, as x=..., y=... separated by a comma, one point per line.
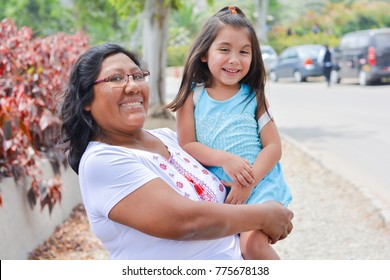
x=32, y=73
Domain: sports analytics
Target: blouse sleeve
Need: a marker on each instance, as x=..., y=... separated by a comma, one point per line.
x=108, y=175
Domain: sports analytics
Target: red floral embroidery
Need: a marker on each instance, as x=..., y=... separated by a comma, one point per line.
x=205, y=171
x=202, y=190
x=187, y=160
x=163, y=166
x=179, y=185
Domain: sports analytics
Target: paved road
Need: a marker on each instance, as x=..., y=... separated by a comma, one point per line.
x=346, y=127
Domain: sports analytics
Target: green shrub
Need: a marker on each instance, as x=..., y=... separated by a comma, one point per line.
x=176, y=55
x=282, y=41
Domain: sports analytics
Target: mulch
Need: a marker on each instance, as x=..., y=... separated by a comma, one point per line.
x=72, y=240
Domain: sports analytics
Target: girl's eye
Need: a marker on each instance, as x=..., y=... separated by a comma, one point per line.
x=117, y=78
x=224, y=50
x=245, y=52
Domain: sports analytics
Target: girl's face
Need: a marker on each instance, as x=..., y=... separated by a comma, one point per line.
x=119, y=111
x=229, y=56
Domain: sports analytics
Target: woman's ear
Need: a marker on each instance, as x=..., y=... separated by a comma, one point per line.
x=87, y=108
x=203, y=58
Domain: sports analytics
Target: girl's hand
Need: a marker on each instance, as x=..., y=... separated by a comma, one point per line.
x=239, y=170
x=237, y=194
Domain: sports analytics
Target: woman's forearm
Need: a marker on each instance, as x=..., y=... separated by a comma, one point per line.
x=219, y=220
x=157, y=210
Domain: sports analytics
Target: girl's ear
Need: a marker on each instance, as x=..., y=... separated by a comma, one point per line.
x=87, y=108
x=203, y=58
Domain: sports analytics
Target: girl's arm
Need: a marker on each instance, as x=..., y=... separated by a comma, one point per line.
x=271, y=151
x=267, y=158
x=236, y=167
x=156, y=209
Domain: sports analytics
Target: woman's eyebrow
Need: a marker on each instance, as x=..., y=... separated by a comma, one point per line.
x=120, y=69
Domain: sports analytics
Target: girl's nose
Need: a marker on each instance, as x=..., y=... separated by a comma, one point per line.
x=233, y=59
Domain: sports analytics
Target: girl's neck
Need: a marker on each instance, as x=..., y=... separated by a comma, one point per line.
x=223, y=92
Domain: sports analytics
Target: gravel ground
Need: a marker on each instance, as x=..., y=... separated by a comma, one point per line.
x=333, y=219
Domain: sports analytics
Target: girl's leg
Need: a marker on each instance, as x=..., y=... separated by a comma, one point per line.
x=255, y=246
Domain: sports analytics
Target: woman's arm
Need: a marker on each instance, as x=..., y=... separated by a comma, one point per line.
x=157, y=210
x=236, y=167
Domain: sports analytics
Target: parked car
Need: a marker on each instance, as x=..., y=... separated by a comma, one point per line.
x=269, y=57
x=364, y=56
x=299, y=63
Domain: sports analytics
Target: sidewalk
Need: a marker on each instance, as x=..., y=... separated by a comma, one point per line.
x=333, y=219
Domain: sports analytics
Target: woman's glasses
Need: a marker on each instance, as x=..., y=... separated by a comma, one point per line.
x=121, y=80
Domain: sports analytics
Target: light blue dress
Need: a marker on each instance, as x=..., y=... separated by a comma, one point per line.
x=231, y=125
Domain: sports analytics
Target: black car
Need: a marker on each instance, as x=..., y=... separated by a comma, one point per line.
x=364, y=56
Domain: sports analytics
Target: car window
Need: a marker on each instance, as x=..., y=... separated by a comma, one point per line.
x=266, y=51
x=362, y=41
x=311, y=52
x=382, y=39
x=348, y=42
x=293, y=53
x=285, y=54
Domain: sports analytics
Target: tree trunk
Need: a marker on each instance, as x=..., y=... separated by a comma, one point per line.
x=261, y=7
x=155, y=39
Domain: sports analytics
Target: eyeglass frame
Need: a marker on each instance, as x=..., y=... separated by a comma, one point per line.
x=145, y=73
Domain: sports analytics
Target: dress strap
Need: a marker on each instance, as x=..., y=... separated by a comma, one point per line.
x=197, y=92
x=264, y=119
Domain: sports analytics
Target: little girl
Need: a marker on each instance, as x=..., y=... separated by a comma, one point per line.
x=224, y=122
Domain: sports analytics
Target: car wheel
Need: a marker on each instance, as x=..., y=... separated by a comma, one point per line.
x=334, y=77
x=363, y=78
x=273, y=76
x=298, y=76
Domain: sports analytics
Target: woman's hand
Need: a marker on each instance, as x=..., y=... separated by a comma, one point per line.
x=276, y=221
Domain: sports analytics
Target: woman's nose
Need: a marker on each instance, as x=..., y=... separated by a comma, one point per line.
x=132, y=86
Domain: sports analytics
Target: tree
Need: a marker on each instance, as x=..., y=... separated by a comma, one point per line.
x=101, y=21
x=45, y=17
x=261, y=7
x=155, y=39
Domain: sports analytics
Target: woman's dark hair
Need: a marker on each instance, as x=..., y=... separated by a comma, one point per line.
x=197, y=71
x=78, y=126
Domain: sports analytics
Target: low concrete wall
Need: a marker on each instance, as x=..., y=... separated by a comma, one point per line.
x=22, y=229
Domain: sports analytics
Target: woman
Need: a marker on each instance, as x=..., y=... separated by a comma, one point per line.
x=145, y=197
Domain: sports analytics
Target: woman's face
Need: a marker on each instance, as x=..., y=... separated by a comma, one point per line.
x=119, y=111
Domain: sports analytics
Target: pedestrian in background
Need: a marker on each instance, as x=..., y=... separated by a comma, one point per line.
x=327, y=64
